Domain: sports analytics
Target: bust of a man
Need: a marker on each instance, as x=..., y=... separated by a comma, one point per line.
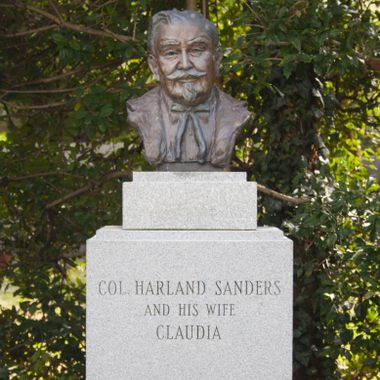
x=186, y=122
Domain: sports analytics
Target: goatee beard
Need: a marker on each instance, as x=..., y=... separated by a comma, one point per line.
x=189, y=92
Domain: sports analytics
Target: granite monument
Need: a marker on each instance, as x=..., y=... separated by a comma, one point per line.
x=188, y=287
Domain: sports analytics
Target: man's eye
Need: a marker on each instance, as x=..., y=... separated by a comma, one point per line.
x=170, y=53
x=197, y=50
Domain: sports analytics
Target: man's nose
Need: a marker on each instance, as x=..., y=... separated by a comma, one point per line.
x=184, y=61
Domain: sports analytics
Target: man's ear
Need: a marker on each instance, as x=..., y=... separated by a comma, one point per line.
x=218, y=58
x=152, y=61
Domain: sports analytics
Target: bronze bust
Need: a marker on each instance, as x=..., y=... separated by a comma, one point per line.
x=186, y=122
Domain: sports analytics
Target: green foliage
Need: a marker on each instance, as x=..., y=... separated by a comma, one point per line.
x=336, y=272
x=308, y=72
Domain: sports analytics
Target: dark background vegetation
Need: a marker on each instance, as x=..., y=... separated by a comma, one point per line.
x=309, y=71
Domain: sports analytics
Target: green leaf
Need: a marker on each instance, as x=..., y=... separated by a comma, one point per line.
x=106, y=110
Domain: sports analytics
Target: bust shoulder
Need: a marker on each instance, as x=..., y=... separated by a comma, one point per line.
x=231, y=106
x=143, y=103
x=232, y=116
x=142, y=115
x=143, y=110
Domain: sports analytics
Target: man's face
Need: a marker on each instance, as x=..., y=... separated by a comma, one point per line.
x=185, y=62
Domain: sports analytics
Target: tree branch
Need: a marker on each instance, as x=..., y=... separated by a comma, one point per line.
x=31, y=31
x=58, y=91
x=35, y=107
x=78, y=70
x=34, y=175
x=283, y=197
x=191, y=5
x=72, y=255
x=84, y=189
x=15, y=115
x=5, y=180
x=205, y=8
x=96, y=8
x=374, y=63
x=273, y=193
x=75, y=27
x=50, y=79
x=51, y=2
x=9, y=117
x=127, y=174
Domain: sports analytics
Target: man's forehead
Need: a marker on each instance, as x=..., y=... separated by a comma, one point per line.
x=176, y=33
x=176, y=41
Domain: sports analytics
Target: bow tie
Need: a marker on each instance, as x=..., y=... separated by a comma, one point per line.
x=190, y=112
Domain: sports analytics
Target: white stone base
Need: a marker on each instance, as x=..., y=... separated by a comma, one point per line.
x=255, y=342
x=189, y=201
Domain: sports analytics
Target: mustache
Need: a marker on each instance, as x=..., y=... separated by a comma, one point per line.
x=186, y=74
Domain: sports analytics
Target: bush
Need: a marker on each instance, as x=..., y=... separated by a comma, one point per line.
x=309, y=72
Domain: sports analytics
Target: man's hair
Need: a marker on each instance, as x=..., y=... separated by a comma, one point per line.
x=173, y=16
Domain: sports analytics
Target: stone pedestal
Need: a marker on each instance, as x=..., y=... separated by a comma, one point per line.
x=190, y=302
x=189, y=201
